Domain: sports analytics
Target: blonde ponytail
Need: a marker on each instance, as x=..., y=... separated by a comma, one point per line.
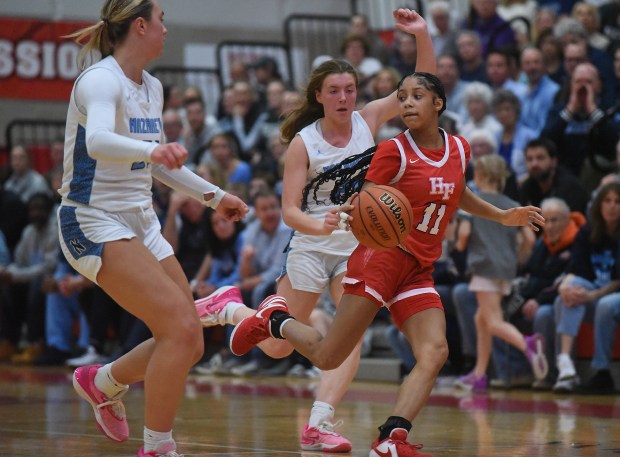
x=116, y=17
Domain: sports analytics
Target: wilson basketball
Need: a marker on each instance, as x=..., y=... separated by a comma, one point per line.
x=382, y=217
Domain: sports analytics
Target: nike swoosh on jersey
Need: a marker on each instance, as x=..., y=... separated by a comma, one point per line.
x=413, y=161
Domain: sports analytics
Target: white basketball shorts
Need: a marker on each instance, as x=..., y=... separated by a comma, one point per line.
x=84, y=230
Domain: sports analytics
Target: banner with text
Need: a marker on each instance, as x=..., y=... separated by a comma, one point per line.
x=36, y=63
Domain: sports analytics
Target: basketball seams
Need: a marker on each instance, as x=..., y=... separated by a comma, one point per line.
x=386, y=215
x=363, y=220
x=374, y=232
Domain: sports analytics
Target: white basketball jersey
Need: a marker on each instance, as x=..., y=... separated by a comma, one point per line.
x=112, y=185
x=321, y=157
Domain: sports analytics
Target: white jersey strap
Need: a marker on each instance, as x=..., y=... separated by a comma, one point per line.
x=403, y=161
x=459, y=144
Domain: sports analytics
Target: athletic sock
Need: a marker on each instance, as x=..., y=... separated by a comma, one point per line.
x=321, y=412
x=161, y=442
x=392, y=423
x=229, y=311
x=105, y=382
x=277, y=321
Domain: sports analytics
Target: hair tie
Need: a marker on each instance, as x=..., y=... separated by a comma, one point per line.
x=105, y=21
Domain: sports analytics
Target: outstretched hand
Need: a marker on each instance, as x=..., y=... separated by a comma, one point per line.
x=524, y=216
x=409, y=21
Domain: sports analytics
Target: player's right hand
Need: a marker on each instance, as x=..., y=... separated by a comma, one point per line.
x=170, y=155
x=232, y=208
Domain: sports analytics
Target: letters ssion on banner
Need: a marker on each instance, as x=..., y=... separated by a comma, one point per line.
x=35, y=62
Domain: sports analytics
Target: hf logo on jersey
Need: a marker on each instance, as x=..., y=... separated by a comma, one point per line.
x=77, y=246
x=438, y=187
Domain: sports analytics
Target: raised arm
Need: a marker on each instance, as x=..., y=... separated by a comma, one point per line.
x=520, y=216
x=379, y=111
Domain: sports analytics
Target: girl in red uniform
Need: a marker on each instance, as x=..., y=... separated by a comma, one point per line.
x=428, y=166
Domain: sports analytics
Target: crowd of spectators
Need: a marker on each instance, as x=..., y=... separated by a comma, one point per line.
x=536, y=83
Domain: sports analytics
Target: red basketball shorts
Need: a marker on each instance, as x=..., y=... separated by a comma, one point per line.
x=391, y=278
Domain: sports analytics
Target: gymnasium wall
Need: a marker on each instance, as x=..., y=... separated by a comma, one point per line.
x=190, y=23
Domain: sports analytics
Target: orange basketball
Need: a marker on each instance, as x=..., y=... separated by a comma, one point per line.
x=382, y=217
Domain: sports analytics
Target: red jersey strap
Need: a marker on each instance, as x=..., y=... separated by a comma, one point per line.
x=403, y=161
x=459, y=144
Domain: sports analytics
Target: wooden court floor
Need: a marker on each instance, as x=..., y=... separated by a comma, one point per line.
x=40, y=415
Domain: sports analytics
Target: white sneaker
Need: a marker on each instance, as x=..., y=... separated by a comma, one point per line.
x=90, y=357
x=211, y=367
x=313, y=372
x=297, y=371
x=566, y=385
x=246, y=369
x=565, y=365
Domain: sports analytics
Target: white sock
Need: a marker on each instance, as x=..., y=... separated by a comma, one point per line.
x=229, y=311
x=105, y=382
x=321, y=412
x=161, y=442
x=282, y=328
x=565, y=366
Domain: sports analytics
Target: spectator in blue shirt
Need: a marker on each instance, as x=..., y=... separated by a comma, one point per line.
x=541, y=90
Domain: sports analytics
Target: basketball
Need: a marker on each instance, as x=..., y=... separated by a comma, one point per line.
x=382, y=217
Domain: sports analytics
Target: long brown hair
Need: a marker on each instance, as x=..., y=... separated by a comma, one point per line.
x=310, y=109
x=115, y=18
x=598, y=226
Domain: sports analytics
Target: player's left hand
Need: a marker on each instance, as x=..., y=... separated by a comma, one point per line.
x=524, y=216
x=232, y=207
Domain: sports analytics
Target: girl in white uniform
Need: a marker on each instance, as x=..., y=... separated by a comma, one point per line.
x=321, y=133
x=108, y=229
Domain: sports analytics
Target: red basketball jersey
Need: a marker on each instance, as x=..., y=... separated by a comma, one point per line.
x=433, y=181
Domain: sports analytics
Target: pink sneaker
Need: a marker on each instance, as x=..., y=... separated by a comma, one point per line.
x=109, y=413
x=396, y=445
x=158, y=453
x=535, y=352
x=323, y=438
x=211, y=309
x=254, y=329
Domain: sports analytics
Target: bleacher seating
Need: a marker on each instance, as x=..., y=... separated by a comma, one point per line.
x=584, y=344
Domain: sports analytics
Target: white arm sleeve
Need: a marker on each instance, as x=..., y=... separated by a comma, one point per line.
x=188, y=182
x=97, y=94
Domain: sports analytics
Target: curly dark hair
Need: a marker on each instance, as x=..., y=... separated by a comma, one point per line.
x=348, y=177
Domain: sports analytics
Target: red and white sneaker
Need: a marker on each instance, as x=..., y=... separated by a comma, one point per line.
x=254, y=329
x=324, y=438
x=158, y=453
x=109, y=412
x=211, y=309
x=396, y=445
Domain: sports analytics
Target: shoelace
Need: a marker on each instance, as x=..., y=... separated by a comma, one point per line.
x=328, y=427
x=407, y=443
x=116, y=404
x=118, y=409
